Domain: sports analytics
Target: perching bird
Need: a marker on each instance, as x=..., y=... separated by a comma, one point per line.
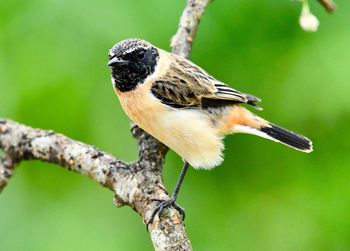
x=185, y=108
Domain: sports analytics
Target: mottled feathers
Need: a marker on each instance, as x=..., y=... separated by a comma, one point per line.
x=187, y=86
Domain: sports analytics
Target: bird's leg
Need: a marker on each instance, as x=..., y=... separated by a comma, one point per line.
x=172, y=200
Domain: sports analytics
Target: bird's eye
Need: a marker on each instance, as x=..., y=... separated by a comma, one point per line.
x=140, y=55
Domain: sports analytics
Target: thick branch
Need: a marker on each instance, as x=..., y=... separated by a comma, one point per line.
x=20, y=143
x=135, y=184
x=7, y=165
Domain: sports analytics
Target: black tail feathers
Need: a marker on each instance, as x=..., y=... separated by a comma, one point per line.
x=289, y=138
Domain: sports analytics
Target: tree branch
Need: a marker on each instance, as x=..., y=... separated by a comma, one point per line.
x=182, y=41
x=136, y=184
x=328, y=5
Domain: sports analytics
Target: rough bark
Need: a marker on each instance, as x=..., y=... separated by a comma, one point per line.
x=182, y=41
x=136, y=184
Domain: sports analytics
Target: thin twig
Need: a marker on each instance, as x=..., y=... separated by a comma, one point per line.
x=181, y=43
x=328, y=5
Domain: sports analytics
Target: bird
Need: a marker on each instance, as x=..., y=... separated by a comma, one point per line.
x=185, y=108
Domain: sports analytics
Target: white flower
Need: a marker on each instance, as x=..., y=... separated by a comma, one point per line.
x=307, y=20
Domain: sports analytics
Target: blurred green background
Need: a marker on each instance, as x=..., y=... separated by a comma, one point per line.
x=265, y=196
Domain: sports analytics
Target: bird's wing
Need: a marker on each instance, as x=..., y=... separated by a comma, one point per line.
x=186, y=85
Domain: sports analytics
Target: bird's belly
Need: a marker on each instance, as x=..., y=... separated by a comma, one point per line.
x=188, y=132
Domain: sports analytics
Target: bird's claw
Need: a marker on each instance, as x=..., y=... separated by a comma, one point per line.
x=165, y=204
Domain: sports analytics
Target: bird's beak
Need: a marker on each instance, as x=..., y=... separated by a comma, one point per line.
x=116, y=61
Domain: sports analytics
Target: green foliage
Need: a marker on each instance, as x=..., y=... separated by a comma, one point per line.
x=265, y=196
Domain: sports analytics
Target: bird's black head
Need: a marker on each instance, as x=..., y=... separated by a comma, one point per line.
x=132, y=61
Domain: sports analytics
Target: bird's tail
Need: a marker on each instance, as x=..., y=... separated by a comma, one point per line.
x=255, y=125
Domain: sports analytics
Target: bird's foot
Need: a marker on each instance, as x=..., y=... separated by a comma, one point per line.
x=165, y=204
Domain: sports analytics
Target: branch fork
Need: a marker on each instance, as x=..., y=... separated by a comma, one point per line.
x=139, y=184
